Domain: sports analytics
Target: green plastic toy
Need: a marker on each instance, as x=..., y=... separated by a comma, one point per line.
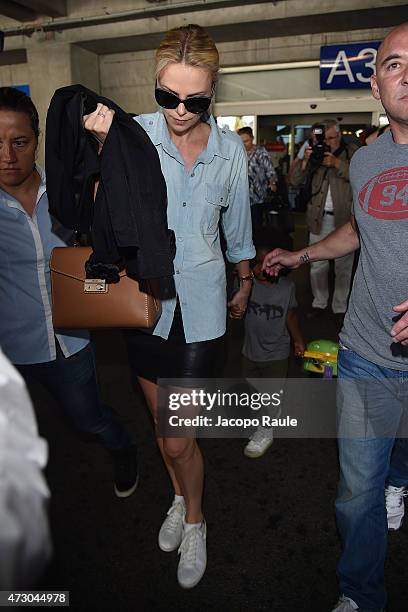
x=320, y=357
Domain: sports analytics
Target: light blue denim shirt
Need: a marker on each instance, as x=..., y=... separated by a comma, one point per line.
x=214, y=190
x=26, y=330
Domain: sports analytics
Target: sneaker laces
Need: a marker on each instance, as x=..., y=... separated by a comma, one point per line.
x=173, y=514
x=188, y=546
x=394, y=499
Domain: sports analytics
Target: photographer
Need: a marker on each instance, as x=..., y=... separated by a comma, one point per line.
x=324, y=172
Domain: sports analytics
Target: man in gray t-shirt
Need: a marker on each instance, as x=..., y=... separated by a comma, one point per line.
x=379, y=178
x=372, y=398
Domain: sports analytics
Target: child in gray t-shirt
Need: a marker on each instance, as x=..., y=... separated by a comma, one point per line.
x=270, y=323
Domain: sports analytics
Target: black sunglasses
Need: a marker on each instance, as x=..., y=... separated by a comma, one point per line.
x=196, y=105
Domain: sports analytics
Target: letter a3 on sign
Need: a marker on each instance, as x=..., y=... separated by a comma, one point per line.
x=347, y=66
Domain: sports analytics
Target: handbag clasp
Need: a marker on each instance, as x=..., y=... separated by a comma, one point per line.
x=95, y=285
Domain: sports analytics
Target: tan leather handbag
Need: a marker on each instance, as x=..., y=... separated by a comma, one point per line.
x=85, y=303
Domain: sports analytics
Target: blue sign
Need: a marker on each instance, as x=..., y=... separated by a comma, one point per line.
x=347, y=66
x=23, y=88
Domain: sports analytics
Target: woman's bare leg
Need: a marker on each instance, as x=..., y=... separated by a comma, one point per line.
x=183, y=460
x=189, y=470
x=150, y=392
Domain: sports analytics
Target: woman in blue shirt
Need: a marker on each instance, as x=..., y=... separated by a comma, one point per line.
x=205, y=169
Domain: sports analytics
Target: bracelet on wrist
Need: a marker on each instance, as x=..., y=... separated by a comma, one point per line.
x=246, y=279
x=305, y=258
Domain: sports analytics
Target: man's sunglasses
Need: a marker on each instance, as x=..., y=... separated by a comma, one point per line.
x=196, y=105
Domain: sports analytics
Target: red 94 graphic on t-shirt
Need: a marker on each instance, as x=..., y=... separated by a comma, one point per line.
x=385, y=196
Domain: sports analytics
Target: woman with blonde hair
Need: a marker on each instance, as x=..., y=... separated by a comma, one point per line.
x=205, y=169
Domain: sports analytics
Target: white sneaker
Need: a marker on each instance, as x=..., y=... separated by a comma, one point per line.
x=193, y=555
x=171, y=532
x=259, y=442
x=345, y=604
x=394, y=503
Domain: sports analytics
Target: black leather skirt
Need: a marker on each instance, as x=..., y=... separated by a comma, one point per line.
x=153, y=357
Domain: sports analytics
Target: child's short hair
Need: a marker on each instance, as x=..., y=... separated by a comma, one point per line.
x=269, y=239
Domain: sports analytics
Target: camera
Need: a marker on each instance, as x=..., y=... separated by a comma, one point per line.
x=320, y=147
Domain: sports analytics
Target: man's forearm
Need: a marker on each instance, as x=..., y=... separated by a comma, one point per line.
x=342, y=241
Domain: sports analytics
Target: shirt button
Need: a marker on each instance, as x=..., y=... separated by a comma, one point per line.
x=221, y=199
x=184, y=203
x=150, y=122
x=177, y=271
x=180, y=239
x=192, y=174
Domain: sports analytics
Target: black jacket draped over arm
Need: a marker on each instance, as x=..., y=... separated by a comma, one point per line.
x=127, y=221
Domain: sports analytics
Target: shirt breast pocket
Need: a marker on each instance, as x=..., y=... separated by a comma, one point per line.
x=216, y=197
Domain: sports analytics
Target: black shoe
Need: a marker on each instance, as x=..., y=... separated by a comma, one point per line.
x=126, y=476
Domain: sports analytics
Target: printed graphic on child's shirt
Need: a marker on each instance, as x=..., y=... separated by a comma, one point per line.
x=385, y=196
x=271, y=311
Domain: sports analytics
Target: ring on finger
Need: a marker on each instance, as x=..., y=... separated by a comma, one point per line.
x=102, y=115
